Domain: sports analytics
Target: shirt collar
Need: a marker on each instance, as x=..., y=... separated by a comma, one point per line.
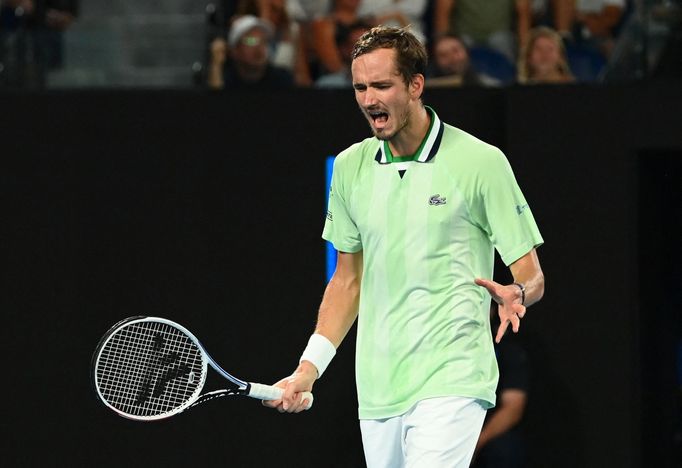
x=429, y=145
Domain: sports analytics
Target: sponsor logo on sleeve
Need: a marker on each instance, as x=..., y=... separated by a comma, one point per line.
x=521, y=208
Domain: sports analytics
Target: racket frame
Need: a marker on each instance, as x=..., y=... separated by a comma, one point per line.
x=240, y=387
x=143, y=319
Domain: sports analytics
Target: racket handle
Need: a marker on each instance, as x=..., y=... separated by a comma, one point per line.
x=270, y=392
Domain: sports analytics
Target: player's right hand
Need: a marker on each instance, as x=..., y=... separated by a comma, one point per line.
x=301, y=380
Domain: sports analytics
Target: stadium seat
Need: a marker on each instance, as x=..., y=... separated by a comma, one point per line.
x=586, y=63
x=493, y=63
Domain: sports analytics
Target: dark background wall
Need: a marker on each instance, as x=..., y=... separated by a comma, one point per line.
x=207, y=209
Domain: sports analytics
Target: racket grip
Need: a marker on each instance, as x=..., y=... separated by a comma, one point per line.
x=270, y=392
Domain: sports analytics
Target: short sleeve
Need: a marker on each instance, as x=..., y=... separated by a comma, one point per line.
x=504, y=212
x=339, y=227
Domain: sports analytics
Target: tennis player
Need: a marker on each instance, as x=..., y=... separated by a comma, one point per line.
x=415, y=213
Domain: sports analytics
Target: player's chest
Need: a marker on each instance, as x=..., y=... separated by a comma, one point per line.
x=422, y=195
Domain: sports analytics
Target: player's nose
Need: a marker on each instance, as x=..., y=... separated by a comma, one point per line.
x=369, y=98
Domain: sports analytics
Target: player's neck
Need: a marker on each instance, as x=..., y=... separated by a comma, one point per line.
x=407, y=141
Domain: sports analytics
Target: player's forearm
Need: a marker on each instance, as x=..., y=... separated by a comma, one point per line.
x=527, y=272
x=339, y=308
x=534, y=285
x=337, y=312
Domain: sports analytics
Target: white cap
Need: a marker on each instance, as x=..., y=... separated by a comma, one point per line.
x=244, y=24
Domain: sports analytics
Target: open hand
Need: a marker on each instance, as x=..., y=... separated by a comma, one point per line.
x=509, y=307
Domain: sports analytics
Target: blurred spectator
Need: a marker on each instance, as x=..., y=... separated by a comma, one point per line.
x=329, y=32
x=31, y=39
x=544, y=59
x=397, y=13
x=248, y=65
x=540, y=12
x=287, y=46
x=307, y=10
x=589, y=22
x=343, y=77
x=499, y=24
x=451, y=65
x=501, y=443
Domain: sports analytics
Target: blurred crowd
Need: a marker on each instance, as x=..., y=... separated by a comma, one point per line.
x=308, y=43
x=31, y=39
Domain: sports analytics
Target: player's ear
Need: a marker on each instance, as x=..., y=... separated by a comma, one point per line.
x=417, y=86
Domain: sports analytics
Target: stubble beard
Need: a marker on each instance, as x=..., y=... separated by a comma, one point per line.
x=405, y=120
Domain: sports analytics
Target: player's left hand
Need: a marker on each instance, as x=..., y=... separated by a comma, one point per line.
x=509, y=307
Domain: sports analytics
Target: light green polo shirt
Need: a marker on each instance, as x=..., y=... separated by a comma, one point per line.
x=423, y=325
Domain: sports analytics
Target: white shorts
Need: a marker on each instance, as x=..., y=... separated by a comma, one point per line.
x=434, y=433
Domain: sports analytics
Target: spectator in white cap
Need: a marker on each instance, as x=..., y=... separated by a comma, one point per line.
x=288, y=44
x=248, y=64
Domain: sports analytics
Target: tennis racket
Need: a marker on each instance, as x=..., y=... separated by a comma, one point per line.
x=149, y=368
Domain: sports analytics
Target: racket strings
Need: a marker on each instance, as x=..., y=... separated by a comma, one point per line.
x=149, y=368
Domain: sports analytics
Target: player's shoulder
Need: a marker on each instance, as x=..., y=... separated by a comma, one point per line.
x=466, y=150
x=358, y=153
x=465, y=142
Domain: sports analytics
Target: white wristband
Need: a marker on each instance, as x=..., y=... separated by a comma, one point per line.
x=320, y=351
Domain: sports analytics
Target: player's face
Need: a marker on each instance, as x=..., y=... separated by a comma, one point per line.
x=384, y=98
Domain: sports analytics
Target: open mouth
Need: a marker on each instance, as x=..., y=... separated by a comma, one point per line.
x=378, y=117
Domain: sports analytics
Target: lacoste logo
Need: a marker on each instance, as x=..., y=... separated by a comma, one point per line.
x=521, y=208
x=436, y=200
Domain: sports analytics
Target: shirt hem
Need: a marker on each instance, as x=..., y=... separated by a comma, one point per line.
x=486, y=400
